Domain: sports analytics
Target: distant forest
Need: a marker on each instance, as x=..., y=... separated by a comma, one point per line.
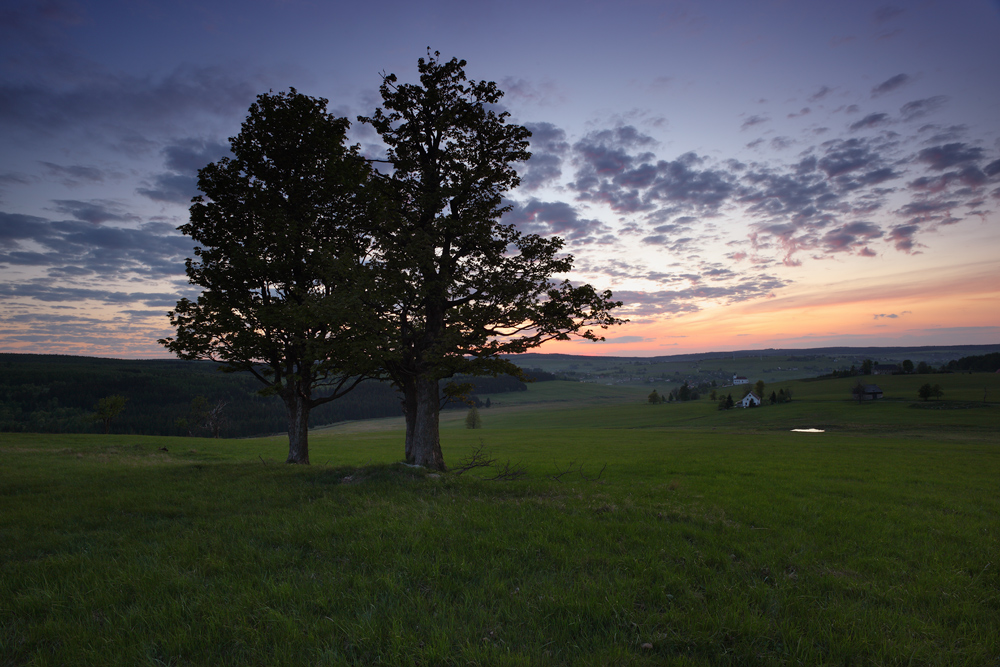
x=986, y=363
x=58, y=394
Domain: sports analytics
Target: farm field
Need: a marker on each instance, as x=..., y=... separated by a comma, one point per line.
x=640, y=534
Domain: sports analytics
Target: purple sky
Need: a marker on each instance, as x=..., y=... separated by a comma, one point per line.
x=741, y=174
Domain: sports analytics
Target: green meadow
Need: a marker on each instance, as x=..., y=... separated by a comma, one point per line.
x=639, y=534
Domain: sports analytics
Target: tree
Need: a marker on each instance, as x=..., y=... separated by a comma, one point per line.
x=928, y=391
x=283, y=259
x=923, y=368
x=108, y=408
x=204, y=413
x=729, y=402
x=907, y=366
x=472, y=418
x=866, y=367
x=655, y=398
x=214, y=418
x=758, y=389
x=684, y=392
x=466, y=287
x=858, y=391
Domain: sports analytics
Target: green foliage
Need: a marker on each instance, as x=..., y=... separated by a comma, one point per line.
x=985, y=363
x=866, y=367
x=684, y=392
x=284, y=259
x=56, y=394
x=465, y=288
x=107, y=409
x=928, y=391
x=472, y=418
x=655, y=398
x=758, y=389
x=907, y=366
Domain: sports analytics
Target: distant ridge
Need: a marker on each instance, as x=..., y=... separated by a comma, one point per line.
x=901, y=352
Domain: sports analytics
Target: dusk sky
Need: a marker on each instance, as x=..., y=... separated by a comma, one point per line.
x=741, y=174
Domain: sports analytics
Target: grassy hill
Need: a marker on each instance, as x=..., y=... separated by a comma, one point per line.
x=639, y=534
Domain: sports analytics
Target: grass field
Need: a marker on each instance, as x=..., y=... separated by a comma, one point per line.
x=641, y=534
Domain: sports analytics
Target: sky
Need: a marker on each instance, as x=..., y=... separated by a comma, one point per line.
x=741, y=175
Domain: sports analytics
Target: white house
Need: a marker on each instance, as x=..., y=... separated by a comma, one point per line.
x=739, y=379
x=749, y=400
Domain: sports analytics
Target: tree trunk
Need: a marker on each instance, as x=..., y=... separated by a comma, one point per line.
x=298, y=426
x=409, y=388
x=426, y=441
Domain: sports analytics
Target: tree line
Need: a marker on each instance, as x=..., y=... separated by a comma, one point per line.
x=61, y=394
x=321, y=267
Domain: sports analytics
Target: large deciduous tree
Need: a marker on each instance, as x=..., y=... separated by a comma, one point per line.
x=282, y=259
x=467, y=288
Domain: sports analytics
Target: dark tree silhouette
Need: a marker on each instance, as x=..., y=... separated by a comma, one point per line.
x=467, y=288
x=107, y=409
x=283, y=259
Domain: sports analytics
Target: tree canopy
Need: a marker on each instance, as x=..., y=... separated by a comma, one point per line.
x=107, y=409
x=466, y=287
x=282, y=260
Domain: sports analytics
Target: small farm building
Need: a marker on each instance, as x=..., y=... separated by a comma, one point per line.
x=871, y=392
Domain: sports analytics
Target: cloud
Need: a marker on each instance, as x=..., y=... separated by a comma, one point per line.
x=49, y=293
x=902, y=238
x=76, y=248
x=121, y=104
x=74, y=175
x=845, y=156
x=672, y=302
x=526, y=91
x=820, y=94
x=949, y=155
x=618, y=170
x=95, y=211
x=554, y=218
x=891, y=84
x=920, y=108
x=183, y=158
x=853, y=236
x=171, y=188
x=781, y=143
x=548, y=147
x=870, y=121
x=754, y=120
